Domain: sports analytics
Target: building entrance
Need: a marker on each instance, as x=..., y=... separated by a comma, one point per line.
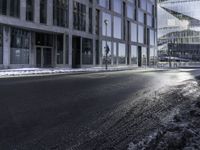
x=44, y=57
x=139, y=56
x=76, y=52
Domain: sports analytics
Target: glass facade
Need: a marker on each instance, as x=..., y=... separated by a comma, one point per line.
x=75, y=32
x=20, y=46
x=179, y=30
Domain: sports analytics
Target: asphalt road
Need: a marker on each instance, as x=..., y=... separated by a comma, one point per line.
x=87, y=111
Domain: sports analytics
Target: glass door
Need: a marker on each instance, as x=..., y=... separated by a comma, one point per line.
x=39, y=57
x=43, y=57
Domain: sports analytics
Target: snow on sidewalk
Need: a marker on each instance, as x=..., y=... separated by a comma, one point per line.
x=48, y=71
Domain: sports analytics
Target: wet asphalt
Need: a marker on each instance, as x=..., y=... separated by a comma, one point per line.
x=86, y=111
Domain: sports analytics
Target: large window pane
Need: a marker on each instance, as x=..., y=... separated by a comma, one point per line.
x=133, y=32
x=144, y=56
x=104, y=3
x=114, y=53
x=117, y=6
x=140, y=34
x=122, y=54
x=79, y=13
x=20, y=46
x=130, y=11
x=14, y=8
x=3, y=7
x=109, y=26
x=152, y=38
x=104, y=52
x=60, y=46
x=60, y=13
x=43, y=11
x=87, y=52
x=1, y=45
x=29, y=10
x=134, y=55
x=140, y=16
x=117, y=27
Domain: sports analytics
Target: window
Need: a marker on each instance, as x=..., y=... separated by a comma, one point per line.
x=133, y=32
x=44, y=39
x=105, y=3
x=14, y=8
x=90, y=20
x=60, y=49
x=141, y=16
x=122, y=54
x=144, y=56
x=108, y=27
x=134, y=55
x=140, y=34
x=109, y=56
x=10, y=8
x=97, y=52
x=97, y=21
x=130, y=11
x=79, y=12
x=117, y=27
x=87, y=52
x=43, y=11
x=115, y=53
x=1, y=45
x=117, y=6
x=20, y=46
x=29, y=10
x=60, y=13
x=3, y=7
x=67, y=50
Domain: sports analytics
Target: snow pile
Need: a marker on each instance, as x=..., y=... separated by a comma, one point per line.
x=183, y=132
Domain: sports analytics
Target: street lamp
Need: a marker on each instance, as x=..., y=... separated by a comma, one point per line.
x=106, y=47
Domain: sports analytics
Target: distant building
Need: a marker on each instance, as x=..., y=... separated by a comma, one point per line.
x=72, y=33
x=179, y=29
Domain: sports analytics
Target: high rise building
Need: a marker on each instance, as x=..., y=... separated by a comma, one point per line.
x=179, y=29
x=74, y=33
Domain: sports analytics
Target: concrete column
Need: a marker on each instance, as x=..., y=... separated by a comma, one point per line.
x=6, y=46
x=70, y=50
x=64, y=48
x=23, y=9
x=50, y=12
x=70, y=31
x=37, y=11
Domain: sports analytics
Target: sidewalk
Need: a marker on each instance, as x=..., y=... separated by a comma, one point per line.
x=23, y=72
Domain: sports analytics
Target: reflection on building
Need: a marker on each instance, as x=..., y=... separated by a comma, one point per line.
x=179, y=30
x=72, y=33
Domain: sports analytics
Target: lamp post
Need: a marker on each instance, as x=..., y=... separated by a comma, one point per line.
x=106, y=47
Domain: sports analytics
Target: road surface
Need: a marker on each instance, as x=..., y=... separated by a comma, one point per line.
x=86, y=111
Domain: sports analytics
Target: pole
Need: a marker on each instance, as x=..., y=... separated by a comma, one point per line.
x=106, y=47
